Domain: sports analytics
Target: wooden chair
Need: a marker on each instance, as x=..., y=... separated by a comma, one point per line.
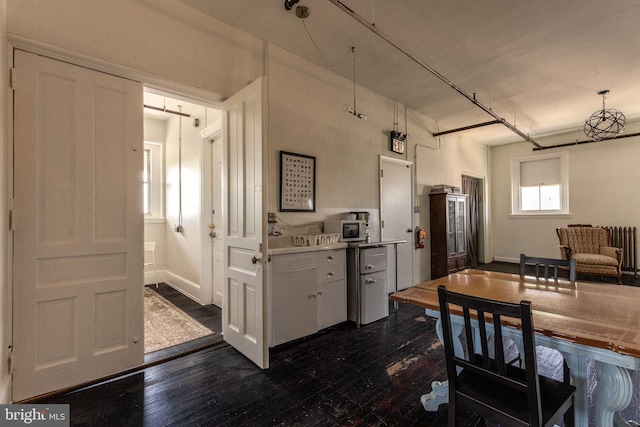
x=150, y=259
x=487, y=385
x=548, y=268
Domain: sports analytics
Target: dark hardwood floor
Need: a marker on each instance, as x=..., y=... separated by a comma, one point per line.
x=370, y=376
x=342, y=376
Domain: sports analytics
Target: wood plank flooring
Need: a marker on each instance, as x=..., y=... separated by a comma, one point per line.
x=372, y=376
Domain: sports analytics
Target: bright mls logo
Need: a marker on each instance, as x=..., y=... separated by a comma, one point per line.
x=34, y=415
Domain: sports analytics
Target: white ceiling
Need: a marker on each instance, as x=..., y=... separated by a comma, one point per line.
x=537, y=64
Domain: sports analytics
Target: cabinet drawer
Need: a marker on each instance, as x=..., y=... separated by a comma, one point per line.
x=333, y=257
x=330, y=273
x=289, y=263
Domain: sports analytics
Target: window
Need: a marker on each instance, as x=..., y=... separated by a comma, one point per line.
x=146, y=181
x=152, y=182
x=540, y=185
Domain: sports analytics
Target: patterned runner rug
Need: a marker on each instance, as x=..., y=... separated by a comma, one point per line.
x=165, y=325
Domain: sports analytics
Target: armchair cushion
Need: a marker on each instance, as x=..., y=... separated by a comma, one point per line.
x=595, y=259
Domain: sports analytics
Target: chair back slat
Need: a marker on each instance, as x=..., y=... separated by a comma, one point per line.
x=484, y=342
x=498, y=345
x=468, y=331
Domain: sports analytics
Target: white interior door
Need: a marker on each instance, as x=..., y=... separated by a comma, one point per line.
x=395, y=218
x=244, y=288
x=78, y=242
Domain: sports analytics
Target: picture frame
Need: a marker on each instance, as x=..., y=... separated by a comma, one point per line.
x=297, y=182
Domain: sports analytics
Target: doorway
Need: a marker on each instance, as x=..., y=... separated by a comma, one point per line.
x=180, y=215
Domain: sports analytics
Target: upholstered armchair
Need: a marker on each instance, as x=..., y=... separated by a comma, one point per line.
x=592, y=250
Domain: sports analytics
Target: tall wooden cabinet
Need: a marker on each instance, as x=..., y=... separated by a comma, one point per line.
x=449, y=212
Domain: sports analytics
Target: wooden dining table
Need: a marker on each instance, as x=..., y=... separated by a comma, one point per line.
x=581, y=320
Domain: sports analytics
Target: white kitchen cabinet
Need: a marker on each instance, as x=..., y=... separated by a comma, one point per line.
x=332, y=287
x=307, y=293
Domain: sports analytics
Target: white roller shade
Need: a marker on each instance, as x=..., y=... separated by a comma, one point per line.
x=540, y=172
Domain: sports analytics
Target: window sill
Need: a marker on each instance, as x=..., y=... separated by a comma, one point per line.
x=540, y=215
x=151, y=220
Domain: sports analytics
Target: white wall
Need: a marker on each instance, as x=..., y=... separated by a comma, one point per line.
x=183, y=250
x=602, y=180
x=5, y=290
x=162, y=39
x=445, y=164
x=306, y=117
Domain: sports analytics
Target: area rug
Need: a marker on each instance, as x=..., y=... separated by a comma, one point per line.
x=165, y=325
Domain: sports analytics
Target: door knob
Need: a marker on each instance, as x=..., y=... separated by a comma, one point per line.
x=255, y=260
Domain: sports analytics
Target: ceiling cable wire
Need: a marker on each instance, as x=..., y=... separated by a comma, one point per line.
x=353, y=49
x=395, y=115
x=315, y=44
x=473, y=99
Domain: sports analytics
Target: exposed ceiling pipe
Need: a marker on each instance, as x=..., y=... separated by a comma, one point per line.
x=588, y=141
x=473, y=99
x=164, y=110
x=479, y=125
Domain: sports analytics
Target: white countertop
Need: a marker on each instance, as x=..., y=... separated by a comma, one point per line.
x=297, y=249
x=373, y=244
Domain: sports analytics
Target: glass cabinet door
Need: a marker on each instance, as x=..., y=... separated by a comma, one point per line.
x=460, y=225
x=451, y=225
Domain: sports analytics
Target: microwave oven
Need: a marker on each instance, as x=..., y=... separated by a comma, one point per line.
x=351, y=230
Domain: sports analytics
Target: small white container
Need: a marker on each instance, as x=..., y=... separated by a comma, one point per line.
x=304, y=240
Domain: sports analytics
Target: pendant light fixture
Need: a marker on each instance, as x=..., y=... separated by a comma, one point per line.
x=346, y=107
x=606, y=123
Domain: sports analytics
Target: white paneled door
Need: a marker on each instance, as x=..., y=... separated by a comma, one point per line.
x=244, y=285
x=77, y=261
x=395, y=216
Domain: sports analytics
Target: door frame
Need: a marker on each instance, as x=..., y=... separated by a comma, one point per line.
x=209, y=135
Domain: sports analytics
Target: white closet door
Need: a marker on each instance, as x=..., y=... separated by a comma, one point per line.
x=395, y=215
x=244, y=287
x=77, y=266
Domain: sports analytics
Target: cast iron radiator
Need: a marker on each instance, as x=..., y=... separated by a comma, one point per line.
x=625, y=238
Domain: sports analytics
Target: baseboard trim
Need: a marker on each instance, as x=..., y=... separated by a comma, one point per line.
x=507, y=259
x=184, y=286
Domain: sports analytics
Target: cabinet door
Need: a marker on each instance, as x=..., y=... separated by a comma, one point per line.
x=332, y=303
x=451, y=226
x=461, y=215
x=332, y=287
x=375, y=300
x=294, y=306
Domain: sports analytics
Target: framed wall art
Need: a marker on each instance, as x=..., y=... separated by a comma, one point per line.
x=297, y=182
